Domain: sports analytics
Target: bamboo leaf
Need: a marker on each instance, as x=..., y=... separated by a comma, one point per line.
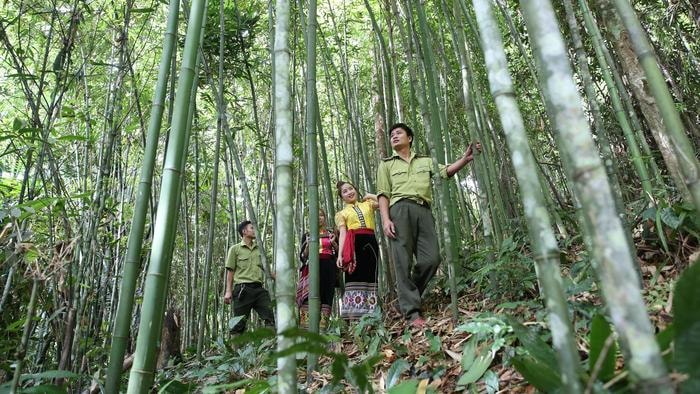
x=660, y=231
x=670, y=219
x=395, y=371
x=665, y=339
x=407, y=387
x=477, y=369
x=17, y=124
x=600, y=331
x=468, y=354
x=176, y=387
x=534, y=345
x=53, y=374
x=45, y=389
x=537, y=374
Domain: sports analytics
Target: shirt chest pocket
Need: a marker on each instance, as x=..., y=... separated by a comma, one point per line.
x=244, y=260
x=399, y=177
x=423, y=173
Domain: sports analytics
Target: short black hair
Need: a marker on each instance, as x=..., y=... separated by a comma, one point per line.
x=242, y=226
x=404, y=126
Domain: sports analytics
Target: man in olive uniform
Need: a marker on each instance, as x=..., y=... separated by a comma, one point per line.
x=404, y=194
x=244, y=280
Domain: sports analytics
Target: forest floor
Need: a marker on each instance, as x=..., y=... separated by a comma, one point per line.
x=407, y=360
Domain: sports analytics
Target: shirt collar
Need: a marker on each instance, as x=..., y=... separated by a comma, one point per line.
x=251, y=247
x=410, y=158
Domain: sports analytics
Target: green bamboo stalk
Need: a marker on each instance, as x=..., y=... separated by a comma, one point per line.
x=462, y=52
x=135, y=242
x=594, y=107
x=387, y=79
x=22, y=351
x=312, y=179
x=594, y=30
x=142, y=371
x=612, y=257
x=221, y=109
x=689, y=166
x=620, y=115
x=284, y=248
x=328, y=195
x=438, y=153
x=540, y=229
x=637, y=83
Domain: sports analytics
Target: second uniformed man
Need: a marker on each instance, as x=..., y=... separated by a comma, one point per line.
x=244, y=280
x=404, y=194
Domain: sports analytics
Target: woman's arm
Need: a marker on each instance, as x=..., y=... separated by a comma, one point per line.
x=343, y=233
x=372, y=198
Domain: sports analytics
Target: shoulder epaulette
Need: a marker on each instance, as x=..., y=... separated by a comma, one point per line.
x=388, y=158
x=422, y=157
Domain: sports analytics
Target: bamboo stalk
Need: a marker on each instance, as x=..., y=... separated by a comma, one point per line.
x=611, y=253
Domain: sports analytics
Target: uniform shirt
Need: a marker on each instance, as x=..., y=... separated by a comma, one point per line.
x=357, y=215
x=245, y=263
x=398, y=179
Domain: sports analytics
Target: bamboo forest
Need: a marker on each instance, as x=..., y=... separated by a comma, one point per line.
x=361, y=196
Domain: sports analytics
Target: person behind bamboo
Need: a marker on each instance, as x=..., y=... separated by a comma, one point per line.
x=327, y=252
x=244, y=280
x=358, y=251
x=404, y=194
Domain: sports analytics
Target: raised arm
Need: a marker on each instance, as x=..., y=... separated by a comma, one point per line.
x=462, y=161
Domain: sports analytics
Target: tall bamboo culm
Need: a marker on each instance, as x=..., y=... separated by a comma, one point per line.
x=312, y=178
x=542, y=237
x=155, y=289
x=690, y=169
x=211, y=230
x=610, y=252
x=130, y=273
x=284, y=245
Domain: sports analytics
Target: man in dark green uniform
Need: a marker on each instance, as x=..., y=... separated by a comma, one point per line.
x=244, y=280
x=403, y=190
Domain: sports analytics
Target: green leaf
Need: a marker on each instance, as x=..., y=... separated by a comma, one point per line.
x=534, y=345
x=480, y=365
x=435, y=342
x=141, y=10
x=53, y=374
x=669, y=218
x=45, y=389
x=395, y=371
x=255, y=336
x=17, y=124
x=67, y=112
x=600, y=331
x=407, y=387
x=686, y=357
x=227, y=386
x=468, y=354
x=15, y=212
x=664, y=339
x=537, y=374
x=176, y=387
x=490, y=382
x=660, y=231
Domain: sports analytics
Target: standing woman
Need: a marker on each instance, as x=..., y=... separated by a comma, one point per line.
x=358, y=251
x=327, y=253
